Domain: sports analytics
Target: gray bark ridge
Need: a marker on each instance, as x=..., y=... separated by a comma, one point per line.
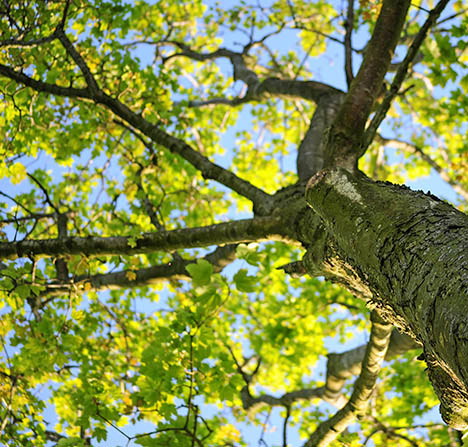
x=410, y=251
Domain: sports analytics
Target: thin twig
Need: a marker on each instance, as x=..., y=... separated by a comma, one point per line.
x=285, y=426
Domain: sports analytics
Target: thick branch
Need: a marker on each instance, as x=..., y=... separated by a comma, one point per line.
x=409, y=250
x=19, y=43
x=401, y=74
x=275, y=87
x=44, y=87
x=340, y=368
x=310, y=90
x=346, y=132
x=175, y=270
x=118, y=280
x=247, y=230
x=257, y=89
x=71, y=50
x=248, y=401
x=218, y=101
x=375, y=353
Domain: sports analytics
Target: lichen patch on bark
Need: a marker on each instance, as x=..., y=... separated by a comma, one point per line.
x=337, y=180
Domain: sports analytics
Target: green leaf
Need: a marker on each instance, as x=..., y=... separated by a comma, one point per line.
x=100, y=433
x=71, y=442
x=23, y=291
x=17, y=173
x=249, y=253
x=244, y=282
x=132, y=241
x=200, y=272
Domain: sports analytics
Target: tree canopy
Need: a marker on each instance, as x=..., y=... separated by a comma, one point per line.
x=204, y=235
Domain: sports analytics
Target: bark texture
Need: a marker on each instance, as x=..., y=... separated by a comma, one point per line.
x=409, y=252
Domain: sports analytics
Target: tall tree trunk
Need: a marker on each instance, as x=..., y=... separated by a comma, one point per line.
x=409, y=252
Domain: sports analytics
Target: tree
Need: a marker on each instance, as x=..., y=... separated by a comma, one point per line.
x=155, y=270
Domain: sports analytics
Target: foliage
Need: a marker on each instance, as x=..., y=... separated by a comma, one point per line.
x=164, y=357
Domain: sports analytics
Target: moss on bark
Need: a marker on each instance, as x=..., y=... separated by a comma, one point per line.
x=407, y=252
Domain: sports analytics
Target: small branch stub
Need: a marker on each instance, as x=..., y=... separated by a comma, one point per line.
x=317, y=178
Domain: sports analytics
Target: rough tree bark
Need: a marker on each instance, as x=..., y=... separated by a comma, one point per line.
x=404, y=249
x=409, y=251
